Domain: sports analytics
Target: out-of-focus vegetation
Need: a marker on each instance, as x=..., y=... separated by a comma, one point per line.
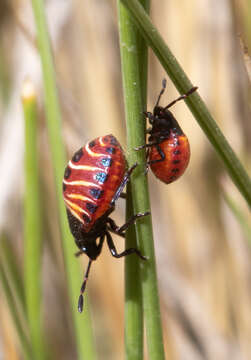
x=203, y=256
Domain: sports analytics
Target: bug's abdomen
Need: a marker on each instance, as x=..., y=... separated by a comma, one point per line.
x=177, y=154
x=92, y=178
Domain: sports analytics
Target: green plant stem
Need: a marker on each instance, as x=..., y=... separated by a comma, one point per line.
x=195, y=103
x=32, y=229
x=136, y=136
x=83, y=331
x=133, y=294
x=134, y=331
x=12, y=283
x=239, y=215
x=15, y=316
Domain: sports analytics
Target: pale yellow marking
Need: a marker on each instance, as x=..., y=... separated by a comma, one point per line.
x=75, y=214
x=80, y=197
x=90, y=152
x=84, y=167
x=81, y=183
x=101, y=141
x=75, y=207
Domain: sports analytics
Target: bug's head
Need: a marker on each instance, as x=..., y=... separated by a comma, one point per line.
x=163, y=121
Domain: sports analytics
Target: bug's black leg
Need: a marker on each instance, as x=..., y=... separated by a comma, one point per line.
x=123, y=183
x=162, y=156
x=123, y=195
x=80, y=252
x=120, y=229
x=149, y=116
x=146, y=145
x=83, y=286
x=125, y=252
x=147, y=162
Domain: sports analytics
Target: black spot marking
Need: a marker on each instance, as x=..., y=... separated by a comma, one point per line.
x=64, y=186
x=96, y=193
x=91, y=207
x=176, y=161
x=92, y=143
x=177, y=152
x=110, y=150
x=67, y=172
x=175, y=170
x=86, y=218
x=77, y=156
x=113, y=141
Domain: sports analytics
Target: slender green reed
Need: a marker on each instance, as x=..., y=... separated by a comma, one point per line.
x=12, y=285
x=83, y=331
x=134, y=84
x=32, y=225
x=233, y=166
x=239, y=215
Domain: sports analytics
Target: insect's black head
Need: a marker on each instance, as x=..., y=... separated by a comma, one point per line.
x=163, y=122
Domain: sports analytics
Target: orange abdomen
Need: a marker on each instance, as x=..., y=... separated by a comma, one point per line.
x=177, y=154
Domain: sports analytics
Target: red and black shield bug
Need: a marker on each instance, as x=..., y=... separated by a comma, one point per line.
x=168, y=150
x=93, y=180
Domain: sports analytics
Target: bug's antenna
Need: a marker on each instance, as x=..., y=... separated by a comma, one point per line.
x=83, y=286
x=182, y=97
x=161, y=92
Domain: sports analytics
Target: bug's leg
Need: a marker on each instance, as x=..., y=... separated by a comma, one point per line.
x=100, y=245
x=149, y=116
x=146, y=145
x=162, y=156
x=83, y=286
x=121, y=229
x=80, y=252
x=147, y=162
x=123, y=195
x=123, y=253
x=123, y=183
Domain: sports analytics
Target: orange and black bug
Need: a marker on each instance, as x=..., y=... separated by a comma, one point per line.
x=168, y=150
x=93, y=180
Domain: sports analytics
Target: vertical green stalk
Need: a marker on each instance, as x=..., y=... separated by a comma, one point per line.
x=132, y=84
x=15, y=316
x=32, y=225
x=134, y=330
x=83, y=331
x=239, y=215
x=12, y=285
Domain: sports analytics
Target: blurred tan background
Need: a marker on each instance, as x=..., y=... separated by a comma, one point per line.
x=203, y=257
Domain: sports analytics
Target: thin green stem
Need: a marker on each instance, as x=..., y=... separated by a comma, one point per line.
x=239, y=215
x=195, y=103
x=133, y=294
x=132, y=79
x=83, y=331
x=32, y=225
x=14, y=314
